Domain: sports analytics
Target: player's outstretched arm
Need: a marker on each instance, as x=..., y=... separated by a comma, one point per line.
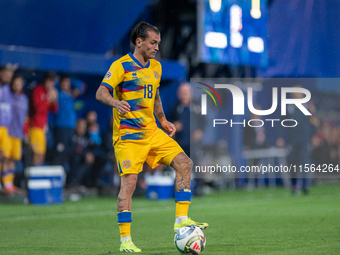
x=103, y=95
x=158, y=111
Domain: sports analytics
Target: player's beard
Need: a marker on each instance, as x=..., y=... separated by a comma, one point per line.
x=151, y=55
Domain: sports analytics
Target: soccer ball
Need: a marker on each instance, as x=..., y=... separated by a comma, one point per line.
x=190, y=240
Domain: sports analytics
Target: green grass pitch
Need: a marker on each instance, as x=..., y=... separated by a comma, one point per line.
x=266, y=221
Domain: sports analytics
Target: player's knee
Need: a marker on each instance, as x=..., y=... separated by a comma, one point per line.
x=190, y=162
x=6, y=161
x=186, y=164
x=132, y=181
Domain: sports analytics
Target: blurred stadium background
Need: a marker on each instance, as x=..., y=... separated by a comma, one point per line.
x=200, y=39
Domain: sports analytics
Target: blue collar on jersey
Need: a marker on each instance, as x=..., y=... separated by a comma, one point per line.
x=137, y=62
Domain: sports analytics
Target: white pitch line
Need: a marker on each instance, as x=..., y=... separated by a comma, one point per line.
x=110, y=212
x=82, y=214
x=147, y=209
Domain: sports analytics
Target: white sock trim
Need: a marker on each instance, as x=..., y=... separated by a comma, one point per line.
x=179, y=219
x=124, y=238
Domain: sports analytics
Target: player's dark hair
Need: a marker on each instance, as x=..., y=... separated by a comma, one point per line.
x=16, y=76
x=7, y=66
x=141, y=30
x=50, y=75
x=63, y=77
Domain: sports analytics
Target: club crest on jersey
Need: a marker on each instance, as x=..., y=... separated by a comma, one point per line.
x=134, y=76
x=156, y=74
x=108, y=75
x=127, y=163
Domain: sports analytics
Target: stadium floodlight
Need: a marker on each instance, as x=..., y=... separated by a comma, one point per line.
x=215, y=5
x=255, y=44
x=216, y=40
x=255, y=11
x=236, y=39
x=222, y=36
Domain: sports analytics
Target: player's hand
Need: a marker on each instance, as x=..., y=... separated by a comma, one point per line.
x=168, y=126
x=53, y=95
x=76, y=92
x=122, y=107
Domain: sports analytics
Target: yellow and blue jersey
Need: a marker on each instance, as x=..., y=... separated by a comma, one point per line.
x=130, y=81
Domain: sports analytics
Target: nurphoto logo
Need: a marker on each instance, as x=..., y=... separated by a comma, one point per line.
x=239, y=105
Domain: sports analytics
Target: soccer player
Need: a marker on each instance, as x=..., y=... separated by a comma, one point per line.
x=15, y=132
x=44, y=98
x=6, y=74
x=134, y=80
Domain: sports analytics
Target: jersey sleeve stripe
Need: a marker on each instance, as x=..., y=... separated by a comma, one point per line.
x=106, y=85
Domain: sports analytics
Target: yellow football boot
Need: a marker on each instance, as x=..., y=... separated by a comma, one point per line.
x=128, y=246
x=190, y=222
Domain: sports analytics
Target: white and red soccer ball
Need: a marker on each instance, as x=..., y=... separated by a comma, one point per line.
x=190, y=240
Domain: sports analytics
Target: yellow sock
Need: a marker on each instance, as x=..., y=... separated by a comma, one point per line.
x=124, y=222
x=182, y=208
x=124, y=229
x=7, y=178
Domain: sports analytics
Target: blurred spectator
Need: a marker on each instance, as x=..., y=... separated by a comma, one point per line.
x=15, y=131
x=110, y=170
x=108, y=142
x=64, y=121
x=81, y=156
x=298, y=141
x=222, y=157
x=6, y=74
x=179, y=115
x=255, y=138
x=44, y=98
x=94, y=133
x=325, y=149
x=91, y=117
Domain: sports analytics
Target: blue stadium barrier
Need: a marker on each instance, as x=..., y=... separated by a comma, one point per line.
x=74, y=62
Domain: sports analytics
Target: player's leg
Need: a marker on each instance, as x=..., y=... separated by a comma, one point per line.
x=130, y=158
x=38, y=143
x=3, y=133
x=1, y=159
x=6, y=175
x=124, y=204
x=164, y=150
x=183, y=166
x=38, y=159
x=15, y=151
